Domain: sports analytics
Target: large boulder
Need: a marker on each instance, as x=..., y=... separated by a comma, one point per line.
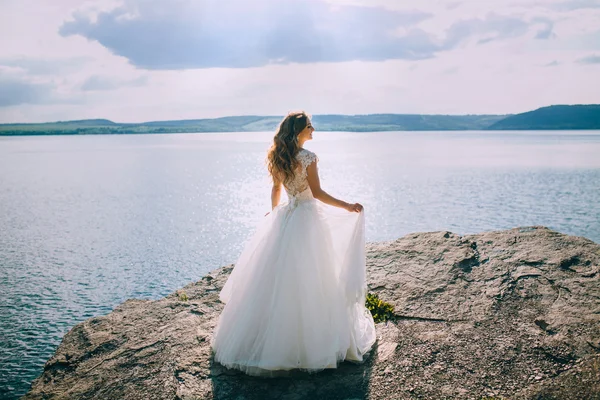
x=507, y=314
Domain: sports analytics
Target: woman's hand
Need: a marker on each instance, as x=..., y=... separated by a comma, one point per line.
x=356, y=207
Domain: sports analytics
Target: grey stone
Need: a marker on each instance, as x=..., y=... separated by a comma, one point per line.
x=513, y=314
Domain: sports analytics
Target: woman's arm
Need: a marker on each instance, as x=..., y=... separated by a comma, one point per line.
x=320, y=194
x=275, y=194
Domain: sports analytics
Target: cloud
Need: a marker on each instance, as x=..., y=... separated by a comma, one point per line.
x=451, y=70
x=493, y=27
x=98, y=82
x=37, y=66
x=236, y=34
x=157, y=35
x=593, y=59
x=179, y=43
x=547, y=30
x=15, y=91
x=571, y=5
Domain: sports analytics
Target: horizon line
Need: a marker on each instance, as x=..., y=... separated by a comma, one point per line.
x=280, y=116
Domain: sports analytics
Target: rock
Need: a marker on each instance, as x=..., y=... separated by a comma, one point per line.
x=510, y=314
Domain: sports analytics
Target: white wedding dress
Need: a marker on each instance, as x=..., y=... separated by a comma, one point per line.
x=296, y=296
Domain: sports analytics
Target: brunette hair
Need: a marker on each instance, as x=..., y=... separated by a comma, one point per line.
x=281, y=158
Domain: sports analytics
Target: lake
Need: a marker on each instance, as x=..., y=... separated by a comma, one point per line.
x=87, y=222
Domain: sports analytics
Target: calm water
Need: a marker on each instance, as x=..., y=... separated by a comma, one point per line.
x=87, y=222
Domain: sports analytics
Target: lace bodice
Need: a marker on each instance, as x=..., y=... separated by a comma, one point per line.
x=297, y=188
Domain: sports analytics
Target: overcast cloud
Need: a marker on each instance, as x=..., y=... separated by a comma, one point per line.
x=137, y=60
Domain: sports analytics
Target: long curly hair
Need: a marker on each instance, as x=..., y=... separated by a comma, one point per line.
x=281, y=157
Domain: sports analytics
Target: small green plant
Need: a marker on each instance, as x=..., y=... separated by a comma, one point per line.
x=380, y=310
x=182, y=295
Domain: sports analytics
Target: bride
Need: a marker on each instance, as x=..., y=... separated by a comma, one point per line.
x=296, y=297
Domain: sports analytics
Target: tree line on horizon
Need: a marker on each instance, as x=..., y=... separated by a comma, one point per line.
x=546, y=118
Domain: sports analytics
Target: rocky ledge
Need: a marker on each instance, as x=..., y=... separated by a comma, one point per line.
x=510, y=314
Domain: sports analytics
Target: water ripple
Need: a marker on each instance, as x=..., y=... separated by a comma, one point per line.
x=88, y=222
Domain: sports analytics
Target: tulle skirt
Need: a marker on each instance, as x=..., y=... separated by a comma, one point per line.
x=296, y=296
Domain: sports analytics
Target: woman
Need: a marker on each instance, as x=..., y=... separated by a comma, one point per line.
x=296, y=297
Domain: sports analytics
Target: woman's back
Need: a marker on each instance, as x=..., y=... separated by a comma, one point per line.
x=298, y=187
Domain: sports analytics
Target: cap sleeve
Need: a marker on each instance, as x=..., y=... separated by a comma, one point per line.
x=307, y=157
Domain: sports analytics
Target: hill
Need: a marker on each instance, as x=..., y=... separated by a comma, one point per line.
x=553, y=117
x=355, y=123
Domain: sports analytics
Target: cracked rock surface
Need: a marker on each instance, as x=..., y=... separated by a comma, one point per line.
x=509, y=314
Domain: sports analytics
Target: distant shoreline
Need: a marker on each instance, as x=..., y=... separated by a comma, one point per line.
x=558, y=117
x=3, y=134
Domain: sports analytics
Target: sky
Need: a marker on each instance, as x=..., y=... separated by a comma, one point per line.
x=149, y=60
